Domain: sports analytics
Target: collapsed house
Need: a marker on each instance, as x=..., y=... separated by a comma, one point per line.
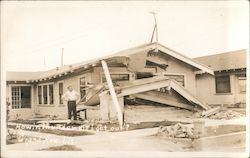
x=150, y=72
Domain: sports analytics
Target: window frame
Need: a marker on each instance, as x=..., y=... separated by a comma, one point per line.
x=18, y=102
x=60, y=100
x=48, y=96
x=80, y=86
x=178, y=74
x=11, y=99
x=241, y=77
x=229, y=84
x=115, y=73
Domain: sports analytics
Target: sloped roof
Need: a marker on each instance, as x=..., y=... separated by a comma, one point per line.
x=125, y=53
x=21, y=76
x=164, y=49
x=225, y=61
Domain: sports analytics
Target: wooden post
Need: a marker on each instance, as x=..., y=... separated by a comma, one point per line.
x=112, y=92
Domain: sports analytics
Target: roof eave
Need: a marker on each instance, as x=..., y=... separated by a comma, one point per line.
x=185, y=59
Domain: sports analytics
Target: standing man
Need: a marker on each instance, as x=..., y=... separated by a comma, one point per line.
x=71, y=96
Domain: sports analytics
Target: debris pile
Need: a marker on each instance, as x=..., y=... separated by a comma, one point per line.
x=226, y=115
x=177, y=131
x=218, y=114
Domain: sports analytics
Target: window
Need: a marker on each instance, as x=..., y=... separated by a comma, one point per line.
x=51, y=97
x=82, y=88
x=178, y=78
x=21, y=97
x=242, y=83
x=45, y=94
x=16, y=97
x=116, y=77
x=39, y=94
x=222, y=84
x=60, y=92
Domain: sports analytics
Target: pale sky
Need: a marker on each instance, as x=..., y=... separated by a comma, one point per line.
x=34, y=33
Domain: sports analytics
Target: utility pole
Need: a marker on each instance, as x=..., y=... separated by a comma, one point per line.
x=155, y=31
x=62, y=58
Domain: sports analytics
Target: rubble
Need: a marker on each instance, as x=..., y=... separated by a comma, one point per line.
x=226, y=115
x=210, y=112
x=220, y=115
x=177, y=131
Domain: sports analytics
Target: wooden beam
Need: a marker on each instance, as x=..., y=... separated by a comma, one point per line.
x=186, y=94
x=157, y=60
x=112, y=92
x=210, y=112
x=86, y=66
x=144, y=87
x=199, y=72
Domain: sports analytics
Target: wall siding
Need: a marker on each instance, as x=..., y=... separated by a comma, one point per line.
x=206, y=91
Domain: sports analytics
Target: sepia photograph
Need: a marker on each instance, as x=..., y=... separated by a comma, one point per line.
x=124, y=79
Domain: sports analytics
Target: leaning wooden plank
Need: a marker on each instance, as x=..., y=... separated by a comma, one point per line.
x=162, y=100
x=210, y=112
x=144, y=87
x=94, y=98
x=128, y=84
x=186, y=94
x=112, y=92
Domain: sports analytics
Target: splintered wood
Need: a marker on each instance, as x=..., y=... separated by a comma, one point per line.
x=210, y=112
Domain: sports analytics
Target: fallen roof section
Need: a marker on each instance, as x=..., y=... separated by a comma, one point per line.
x=163, y=100
x=148, y=84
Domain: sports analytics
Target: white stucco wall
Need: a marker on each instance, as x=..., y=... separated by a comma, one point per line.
x=206, y=91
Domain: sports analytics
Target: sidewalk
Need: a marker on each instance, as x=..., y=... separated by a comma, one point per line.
x=136, y=140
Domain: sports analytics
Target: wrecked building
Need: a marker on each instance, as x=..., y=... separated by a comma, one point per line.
x=150, y=72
